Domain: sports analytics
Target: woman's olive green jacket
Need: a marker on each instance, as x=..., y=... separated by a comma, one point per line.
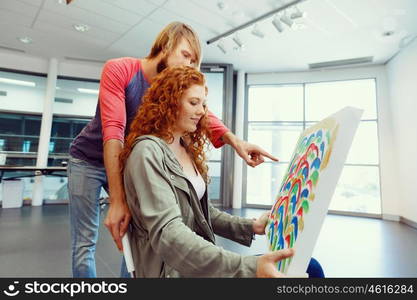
x=172, y=231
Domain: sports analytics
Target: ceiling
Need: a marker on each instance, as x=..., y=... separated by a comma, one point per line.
x=332, y=29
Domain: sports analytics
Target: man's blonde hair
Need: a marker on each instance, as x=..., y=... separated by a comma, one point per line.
x=169, y=38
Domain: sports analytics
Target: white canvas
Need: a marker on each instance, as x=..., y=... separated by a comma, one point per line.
x=301, y=205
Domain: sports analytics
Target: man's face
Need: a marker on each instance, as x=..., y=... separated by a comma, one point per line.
x=182, y=55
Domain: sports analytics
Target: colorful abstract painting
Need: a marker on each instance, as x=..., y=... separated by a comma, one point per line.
x=297, y=195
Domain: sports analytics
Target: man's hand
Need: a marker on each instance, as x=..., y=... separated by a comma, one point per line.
x=253, y=155
x=117, y=220
x=259, y=224
x=118, y=216
x=267, y=263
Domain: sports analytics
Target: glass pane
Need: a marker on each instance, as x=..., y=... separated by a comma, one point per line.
x=21, y=144
x=364, y=149
x=278, y=103
x=326, y=98
x=76, y=97
x=215, y=180
x=19, y=133
x=10, y=124
x=61, y=128
x=57, y=145
x=20, y=161
x=55, y=189
x=57, y=161
x=30, y=145
x=11, y=143
x=215, y=93
x=358, y=190
x=278, y=139
x=264, y=182
x=27, y=184
x=213, y=153
x=32, y=126
x=25, y=93
x=63, y=131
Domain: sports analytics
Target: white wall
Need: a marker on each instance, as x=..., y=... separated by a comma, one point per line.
x=23, y=98
x=402, y=76
x=388, y=171
x=24, y=62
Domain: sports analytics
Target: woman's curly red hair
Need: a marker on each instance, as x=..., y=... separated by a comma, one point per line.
x=159, y=112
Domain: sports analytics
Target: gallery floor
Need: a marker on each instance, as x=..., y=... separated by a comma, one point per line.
x=35, y=242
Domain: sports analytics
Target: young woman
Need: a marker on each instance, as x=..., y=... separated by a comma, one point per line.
x=165, y=178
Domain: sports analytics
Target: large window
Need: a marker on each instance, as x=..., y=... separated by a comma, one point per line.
x=278, y=114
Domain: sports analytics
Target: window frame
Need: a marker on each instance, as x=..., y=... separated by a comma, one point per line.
x=227, y=156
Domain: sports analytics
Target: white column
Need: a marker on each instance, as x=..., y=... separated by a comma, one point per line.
x=239, y=128
x=45, y=134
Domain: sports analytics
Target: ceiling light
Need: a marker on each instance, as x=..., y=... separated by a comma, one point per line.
x=237, y=41
x=277, y=24
x=221, y=46
x=221, y=5
x=285, y=7
x=63, y=2
x=239, y=49
x=286, y=20
x=406, y=40
x=88, y=91
x=298, y=14
x=25, y=39
x=299, y=26
x=81, y=27
x=256, y=32
x=388, y=33
x=17, y=82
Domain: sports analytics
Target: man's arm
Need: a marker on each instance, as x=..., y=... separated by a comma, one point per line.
x=114, y=78
x=253, y=155
x=118, y=215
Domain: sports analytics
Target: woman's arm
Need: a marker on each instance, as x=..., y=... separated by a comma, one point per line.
x=234, y=228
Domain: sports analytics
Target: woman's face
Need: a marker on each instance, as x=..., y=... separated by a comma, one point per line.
x=192, y=108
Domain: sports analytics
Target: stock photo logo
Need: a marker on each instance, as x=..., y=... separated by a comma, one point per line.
x=11, y=290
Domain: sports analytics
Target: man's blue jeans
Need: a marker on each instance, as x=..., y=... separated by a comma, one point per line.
x=84, y=186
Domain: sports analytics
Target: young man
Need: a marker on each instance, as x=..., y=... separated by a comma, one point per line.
x=94, y=161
